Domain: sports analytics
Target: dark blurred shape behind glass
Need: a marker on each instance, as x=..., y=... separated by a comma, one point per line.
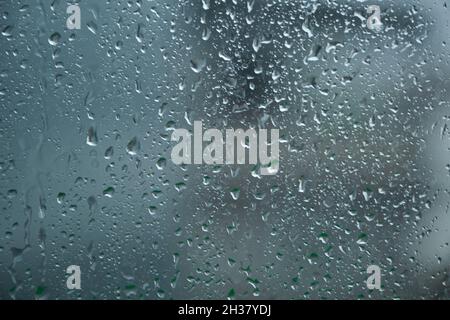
x=86, y=117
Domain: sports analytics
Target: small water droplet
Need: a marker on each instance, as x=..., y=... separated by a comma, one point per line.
x=54, y=39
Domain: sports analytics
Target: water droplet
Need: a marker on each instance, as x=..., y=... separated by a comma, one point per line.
x=54, y=39
x=133, y=146
x=91, y=139
x=197, y=65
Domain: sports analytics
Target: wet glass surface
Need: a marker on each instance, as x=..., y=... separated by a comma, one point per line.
x=87, y=179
